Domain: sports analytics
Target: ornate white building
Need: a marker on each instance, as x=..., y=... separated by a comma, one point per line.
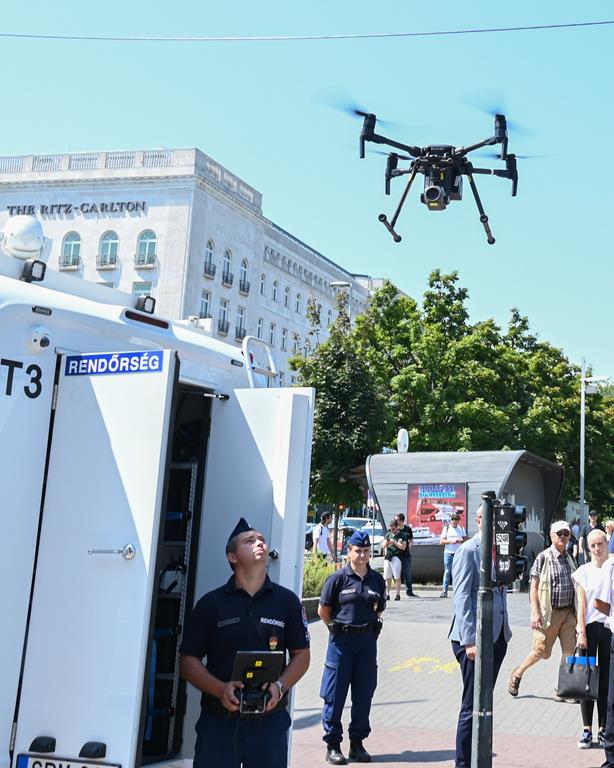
x=176, y=225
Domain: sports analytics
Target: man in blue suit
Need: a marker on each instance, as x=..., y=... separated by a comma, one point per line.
x=466, y=580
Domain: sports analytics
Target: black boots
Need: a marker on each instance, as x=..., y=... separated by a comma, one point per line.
x=359, y=753
x=334, y=755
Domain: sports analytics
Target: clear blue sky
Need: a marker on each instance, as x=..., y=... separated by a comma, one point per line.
x=255, y=107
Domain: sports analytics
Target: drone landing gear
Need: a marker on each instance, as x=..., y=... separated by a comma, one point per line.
x=391, y=224
x=483, y=217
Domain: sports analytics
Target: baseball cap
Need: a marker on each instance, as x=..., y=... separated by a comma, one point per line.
x=560, y=525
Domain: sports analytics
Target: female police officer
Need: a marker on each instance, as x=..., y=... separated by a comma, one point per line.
x=351, y=603
x=249, y=612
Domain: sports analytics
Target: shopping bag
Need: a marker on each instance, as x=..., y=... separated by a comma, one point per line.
x=578, y=677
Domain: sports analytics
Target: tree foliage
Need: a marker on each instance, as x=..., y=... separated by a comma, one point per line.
x=455, y=386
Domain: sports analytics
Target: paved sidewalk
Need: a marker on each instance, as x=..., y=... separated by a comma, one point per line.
x=415, y=708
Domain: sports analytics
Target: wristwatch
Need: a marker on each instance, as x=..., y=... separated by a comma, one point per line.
x=280, y=685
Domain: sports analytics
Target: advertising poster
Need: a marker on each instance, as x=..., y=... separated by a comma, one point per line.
x=430, y=506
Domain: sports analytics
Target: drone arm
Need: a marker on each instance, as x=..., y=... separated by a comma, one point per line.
x=413, y=151
x=391, y=224
x=462, y=151
x=483, y=217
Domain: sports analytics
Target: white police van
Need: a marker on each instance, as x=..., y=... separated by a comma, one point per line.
x=130, y=446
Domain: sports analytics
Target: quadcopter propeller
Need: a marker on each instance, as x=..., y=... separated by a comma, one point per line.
x=388, y=154
x=492, y=102
x=497, y=156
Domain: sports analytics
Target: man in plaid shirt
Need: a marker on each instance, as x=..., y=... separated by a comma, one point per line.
x=553, y=612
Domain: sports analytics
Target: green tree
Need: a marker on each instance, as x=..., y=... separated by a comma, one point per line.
x=349, y=418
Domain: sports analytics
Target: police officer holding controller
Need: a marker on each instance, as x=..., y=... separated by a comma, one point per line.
x=248, y=613
x=351, y=604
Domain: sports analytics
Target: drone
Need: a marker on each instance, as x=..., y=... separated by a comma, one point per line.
x=443, y=167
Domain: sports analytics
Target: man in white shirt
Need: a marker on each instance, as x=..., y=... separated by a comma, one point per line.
x=322, y=544
x=604, y=602
x=452, y=536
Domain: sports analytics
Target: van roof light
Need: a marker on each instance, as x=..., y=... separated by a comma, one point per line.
x=146, y=304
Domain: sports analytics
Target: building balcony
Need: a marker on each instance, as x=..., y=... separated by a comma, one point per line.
x=204, y=315
x=209, y=269
x=227, y=278
x=144, y=261
x=244, y=286
x=223, y=327
x=240, y=333
x=106, y=262
x=70, y=265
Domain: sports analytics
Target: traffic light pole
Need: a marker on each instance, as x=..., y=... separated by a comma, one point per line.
x=481, y=737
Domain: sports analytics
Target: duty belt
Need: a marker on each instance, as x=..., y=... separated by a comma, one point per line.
x=342, y=629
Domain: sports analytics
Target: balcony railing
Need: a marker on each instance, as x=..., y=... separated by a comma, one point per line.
x=240, y=333
x=244, y=286
x=104, y=261
x=68, y=263
x=204, y=315
x=209, y=269
x=223, y=326
x=227, y=278
x=144, y=260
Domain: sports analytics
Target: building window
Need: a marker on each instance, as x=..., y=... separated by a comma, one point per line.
x=71, y=250
x=272, y=334
x=243, y=281
x=240, y=327
x=108, y=250
x=205, y=304
x=284, y=339
x=146, y=249
x=296, y=343
x=227, y=276
x=275, y=290
x=297, y=306
x=141, y=289
x=259, y=328
x=281, y=378
x=287, y=297
x=208, y=265
x=223, y=322
x=330, y=318
x=263, y=285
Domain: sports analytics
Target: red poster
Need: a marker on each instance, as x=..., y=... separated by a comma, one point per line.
x=430, y=506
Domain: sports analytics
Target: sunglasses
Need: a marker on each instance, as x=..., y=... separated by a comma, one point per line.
x=562, y=534
x=455, y=518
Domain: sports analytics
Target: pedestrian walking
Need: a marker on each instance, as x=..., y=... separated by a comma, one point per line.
x=584, y=554
x=593, y=635
x=351, y=604
x=322, y=539
x=249, y=612
x=452, y=536
x=393, y=546
x=552, y=595
x=406, y=532
x=466, y=578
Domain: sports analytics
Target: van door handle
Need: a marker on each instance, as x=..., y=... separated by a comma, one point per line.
x=128, y=551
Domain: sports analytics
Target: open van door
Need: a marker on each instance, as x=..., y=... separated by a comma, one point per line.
x=26, y=391
x=86, y=652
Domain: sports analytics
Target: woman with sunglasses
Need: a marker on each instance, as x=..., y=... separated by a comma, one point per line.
x=593, y=635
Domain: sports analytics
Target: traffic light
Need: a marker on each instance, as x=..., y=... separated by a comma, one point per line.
x=509, y=541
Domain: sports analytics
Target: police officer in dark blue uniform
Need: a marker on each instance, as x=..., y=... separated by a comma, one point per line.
x=248, y=613
x=351, y=603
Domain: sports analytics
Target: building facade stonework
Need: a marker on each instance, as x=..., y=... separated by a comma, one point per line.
x=177, y=225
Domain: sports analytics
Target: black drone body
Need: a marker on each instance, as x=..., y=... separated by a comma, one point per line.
x=443, y=167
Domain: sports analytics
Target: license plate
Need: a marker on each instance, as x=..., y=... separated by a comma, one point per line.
x=38, y=761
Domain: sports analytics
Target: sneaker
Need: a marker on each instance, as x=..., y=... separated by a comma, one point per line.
x=513, y=684
x=586, y=740
x=443, y=594
x=601, y=738
x=387, y=597
x=398, y=597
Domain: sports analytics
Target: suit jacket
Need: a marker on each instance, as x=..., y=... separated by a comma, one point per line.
x=466, y=581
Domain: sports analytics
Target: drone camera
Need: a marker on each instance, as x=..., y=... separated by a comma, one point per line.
x=435, y=198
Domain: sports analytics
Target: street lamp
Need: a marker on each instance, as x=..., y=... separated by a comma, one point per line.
x=588, y=386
